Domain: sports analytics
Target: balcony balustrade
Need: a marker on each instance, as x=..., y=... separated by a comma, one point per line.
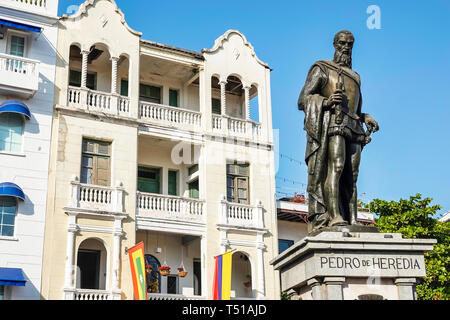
x=18, y=76
x=89, y=294
x=170, y=207
x=38, y=6
x=241, y=215
x=235, y=127
x=170, y=116
x=162, y=296
x=97, y=198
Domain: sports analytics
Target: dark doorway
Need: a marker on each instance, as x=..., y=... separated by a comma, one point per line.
x=197, y=277
x=172, y=284
x=89, y=267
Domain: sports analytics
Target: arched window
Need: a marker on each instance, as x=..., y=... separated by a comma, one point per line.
x=11, y=132
x=8, y=207
x=154, y=278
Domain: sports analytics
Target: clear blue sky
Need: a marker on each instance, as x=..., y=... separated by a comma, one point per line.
x=405, y=71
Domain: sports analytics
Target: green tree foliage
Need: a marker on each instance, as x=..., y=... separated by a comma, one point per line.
x=416, y=218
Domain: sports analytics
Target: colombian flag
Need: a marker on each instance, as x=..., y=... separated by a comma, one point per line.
x=222, y=277
x=137, y=265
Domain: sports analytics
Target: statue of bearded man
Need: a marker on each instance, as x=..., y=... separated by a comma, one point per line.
x=332, y=102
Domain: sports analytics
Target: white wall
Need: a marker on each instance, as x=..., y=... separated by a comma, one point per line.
x=29, y=169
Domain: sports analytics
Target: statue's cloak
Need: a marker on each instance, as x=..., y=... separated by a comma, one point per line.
x=317, y=121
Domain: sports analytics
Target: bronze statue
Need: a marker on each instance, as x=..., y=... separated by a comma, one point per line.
x=331, y=100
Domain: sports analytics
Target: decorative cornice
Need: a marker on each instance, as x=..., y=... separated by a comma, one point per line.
x=220, y=41
x=88, y=3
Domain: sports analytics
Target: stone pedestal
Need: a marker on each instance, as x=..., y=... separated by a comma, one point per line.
x=351, y=265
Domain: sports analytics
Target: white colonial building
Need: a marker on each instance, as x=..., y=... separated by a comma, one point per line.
x=163, y=145
x=28, y=37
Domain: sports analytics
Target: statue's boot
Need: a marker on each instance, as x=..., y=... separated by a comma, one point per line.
x=338, y=221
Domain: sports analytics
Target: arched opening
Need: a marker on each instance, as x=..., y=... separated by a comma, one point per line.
x=215, y=96
x=235, y=99
x=254, y=104
x=91, y=265
x=153, y=277
x=99, y=68
x=241, y=276
x=123, y=72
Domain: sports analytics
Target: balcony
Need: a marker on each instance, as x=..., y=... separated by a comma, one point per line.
x=160, y=296
x=98, y=199
x=234, y=127
x=18, y=76
x=91, y=100
x=241, y=215
x=159, y=114
x=88, y=294
x=48, y=7
x=158, y=206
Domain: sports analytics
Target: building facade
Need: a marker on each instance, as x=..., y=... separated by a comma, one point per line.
x=28, y=38
x=162, y=145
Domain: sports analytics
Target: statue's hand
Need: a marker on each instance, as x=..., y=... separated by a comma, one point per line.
x=335, y=99
x=371, y=124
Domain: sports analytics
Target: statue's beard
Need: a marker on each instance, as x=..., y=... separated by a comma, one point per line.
x=343, y=59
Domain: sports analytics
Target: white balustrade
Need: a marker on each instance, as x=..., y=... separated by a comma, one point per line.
x=217, y=123
x=18, y=72
x=99, y=101
x=166, y=115
x=169, y=207
x=85, y=294
x=241, y=215
x=124, y=106
x=74, y=97
x=91, y=197
x=159, y=296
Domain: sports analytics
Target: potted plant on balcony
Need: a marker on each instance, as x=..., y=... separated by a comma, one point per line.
x=148, y=269
x=181, y=272
x=164, y=270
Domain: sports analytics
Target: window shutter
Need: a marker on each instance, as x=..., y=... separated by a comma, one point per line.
x=172, y=183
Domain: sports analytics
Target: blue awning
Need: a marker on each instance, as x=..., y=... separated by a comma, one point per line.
x=8, y=189
x=15, y=107
x=19, y=25
x=12, y=277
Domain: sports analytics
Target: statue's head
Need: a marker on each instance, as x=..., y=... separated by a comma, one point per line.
x=343, y=43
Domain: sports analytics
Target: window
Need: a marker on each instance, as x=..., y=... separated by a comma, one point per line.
x=149, y=180
x=193, y=169
x=194, y=192
x=75, y=80
x=11, y=131
x=283, y=245
x=237, y=183
x=216, y=106
x=173, y=98
x=150, y=93
x=124, y=88
x=154, y=278
x=17, y=46
x=2, y=293
x=7, y=216
x=172, y=284
x=173, y=183
x=96, y=163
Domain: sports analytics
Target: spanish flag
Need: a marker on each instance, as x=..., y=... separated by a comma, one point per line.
x=222, y=277
x=137, y=265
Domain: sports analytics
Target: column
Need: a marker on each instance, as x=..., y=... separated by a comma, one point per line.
x=406, y=288
x=223, y=97
x=316, y=289
x=114, y=61
x=69, y=285
x=84, y=68
x=116, y=292
x=334, y=287
x=247, y=102
x=260, y=261
x=204, y=283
